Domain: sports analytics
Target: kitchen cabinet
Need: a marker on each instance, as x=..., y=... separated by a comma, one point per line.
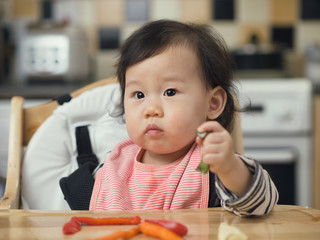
x=4, y=130
x=316, y=158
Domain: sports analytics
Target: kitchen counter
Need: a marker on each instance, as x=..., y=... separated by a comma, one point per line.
x=284, y=222
x=39, y=91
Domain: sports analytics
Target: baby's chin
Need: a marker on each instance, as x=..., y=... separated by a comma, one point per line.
x=170, y=149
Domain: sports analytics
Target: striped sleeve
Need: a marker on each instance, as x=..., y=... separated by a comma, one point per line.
x=259, y=199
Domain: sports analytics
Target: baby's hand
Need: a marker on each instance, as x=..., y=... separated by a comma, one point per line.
x=217, y=147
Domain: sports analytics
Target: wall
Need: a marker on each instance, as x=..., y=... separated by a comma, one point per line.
x=270, y=20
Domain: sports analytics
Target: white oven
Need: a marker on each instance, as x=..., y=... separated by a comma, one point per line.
x=277, y=132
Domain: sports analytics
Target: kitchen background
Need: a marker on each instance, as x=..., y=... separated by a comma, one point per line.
x=273, y=39
x=284, y=32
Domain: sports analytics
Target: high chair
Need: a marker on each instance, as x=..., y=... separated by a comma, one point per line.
x=25, y=121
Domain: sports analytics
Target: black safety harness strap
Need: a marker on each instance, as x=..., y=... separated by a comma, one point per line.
x=77, y=187
x=85, y=153
x=63, y=98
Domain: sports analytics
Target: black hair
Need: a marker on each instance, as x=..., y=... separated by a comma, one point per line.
x=215, y=61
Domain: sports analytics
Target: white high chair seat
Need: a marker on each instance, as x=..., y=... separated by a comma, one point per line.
x=52, y=151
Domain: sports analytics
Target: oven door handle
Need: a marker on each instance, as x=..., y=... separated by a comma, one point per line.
x=272, y=156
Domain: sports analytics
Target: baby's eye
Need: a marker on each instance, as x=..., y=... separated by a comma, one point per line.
x=139, y=95
x=170, y=92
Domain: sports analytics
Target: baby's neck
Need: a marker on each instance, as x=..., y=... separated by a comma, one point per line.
x=152, y=158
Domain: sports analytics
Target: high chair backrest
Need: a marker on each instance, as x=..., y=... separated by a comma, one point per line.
x=25, y=121
x=23, y=124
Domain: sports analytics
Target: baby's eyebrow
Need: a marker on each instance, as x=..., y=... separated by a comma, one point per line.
x=132, y=83
x=166, y=78
x=173, y=78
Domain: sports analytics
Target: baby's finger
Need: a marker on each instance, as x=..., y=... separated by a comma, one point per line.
x=215, y=138
x=210, y=126
x=211, y=148
x=201, y=136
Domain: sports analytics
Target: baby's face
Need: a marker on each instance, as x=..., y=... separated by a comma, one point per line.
x=165, y=101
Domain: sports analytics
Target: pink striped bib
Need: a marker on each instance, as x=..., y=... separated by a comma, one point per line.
x=124, y=183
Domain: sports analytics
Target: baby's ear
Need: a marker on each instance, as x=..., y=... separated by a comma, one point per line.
x=217, y=102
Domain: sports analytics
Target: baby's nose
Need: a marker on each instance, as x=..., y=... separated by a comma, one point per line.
x=153, y=112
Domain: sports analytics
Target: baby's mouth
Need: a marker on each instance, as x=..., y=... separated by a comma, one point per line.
x=153, y=130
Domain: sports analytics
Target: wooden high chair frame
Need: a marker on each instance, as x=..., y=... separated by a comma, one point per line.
x=25, y=121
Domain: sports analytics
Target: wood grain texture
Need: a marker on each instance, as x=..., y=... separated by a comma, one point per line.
x=284, y=222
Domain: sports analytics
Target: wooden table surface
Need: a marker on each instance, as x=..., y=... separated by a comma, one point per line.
x=284, y=222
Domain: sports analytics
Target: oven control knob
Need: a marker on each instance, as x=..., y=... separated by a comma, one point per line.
x=286, y=115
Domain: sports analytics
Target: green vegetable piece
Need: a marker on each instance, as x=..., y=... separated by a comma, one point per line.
x=203, y=167
x=202, y=135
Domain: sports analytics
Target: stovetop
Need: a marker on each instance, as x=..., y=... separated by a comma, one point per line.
x=276, y=105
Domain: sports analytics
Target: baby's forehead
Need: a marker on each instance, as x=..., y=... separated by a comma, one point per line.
x=192, y=48
x=180, y=48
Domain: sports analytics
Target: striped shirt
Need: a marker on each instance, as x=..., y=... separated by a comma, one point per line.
x=260, y=197
x=124, y=183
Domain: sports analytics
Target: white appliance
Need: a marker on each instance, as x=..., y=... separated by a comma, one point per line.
x=53, y=52
x=277, y=132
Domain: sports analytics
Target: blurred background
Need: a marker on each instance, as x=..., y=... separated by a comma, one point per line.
x=268, y=38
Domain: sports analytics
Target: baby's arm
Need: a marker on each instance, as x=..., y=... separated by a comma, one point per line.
x=243, y=186
x=217, y=151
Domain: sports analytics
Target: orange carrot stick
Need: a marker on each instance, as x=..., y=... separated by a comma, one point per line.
x=131, y=233
x=158, y=231
x=120, y=234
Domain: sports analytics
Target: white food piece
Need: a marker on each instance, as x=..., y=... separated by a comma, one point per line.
x=227, y=232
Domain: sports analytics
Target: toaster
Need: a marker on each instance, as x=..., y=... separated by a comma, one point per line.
x=53, y=53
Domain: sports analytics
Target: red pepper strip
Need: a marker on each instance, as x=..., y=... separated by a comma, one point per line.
x=72, y=226
x=110, y=221
x=175, y=227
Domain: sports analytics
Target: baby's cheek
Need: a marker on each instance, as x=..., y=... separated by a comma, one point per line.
x=183, y=128
x=132, y=128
